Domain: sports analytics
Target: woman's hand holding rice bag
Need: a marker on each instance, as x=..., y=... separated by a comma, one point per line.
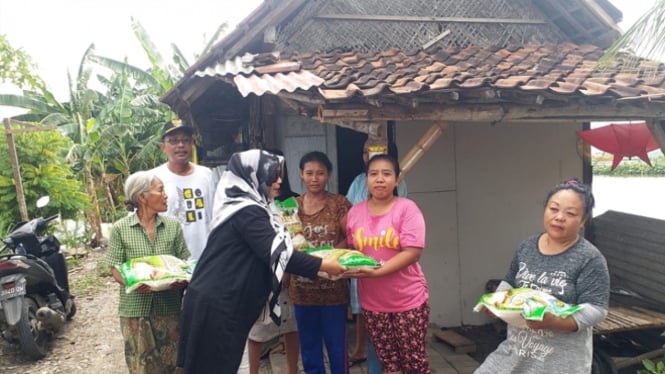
x=351, y=259
x=519, y=305
x=155, y=273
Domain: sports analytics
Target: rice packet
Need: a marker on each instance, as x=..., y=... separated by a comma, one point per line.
x=288, y=211
x=159, y=272
x=352, y=259
x=517, y=305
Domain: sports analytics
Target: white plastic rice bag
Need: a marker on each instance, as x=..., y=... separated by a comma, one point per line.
x=517, y=305
x=158, y=272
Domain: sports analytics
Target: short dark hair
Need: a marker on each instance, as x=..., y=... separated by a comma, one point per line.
x=582, y=189
x=316, y=156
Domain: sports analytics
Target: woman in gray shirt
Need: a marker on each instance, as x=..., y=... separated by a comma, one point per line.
x=562, y=263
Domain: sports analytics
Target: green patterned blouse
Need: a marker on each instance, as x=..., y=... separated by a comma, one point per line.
x=129, y=240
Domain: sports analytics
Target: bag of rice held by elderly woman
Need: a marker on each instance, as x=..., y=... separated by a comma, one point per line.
x=288, y=211
x=349, y=258
x=158, y=272
x=517, y=305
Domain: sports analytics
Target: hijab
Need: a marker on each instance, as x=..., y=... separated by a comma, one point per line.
x=247, y=181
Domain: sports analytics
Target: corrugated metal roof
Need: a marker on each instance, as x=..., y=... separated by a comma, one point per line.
x=274, y=83
x=238, y=65
x=261, y=73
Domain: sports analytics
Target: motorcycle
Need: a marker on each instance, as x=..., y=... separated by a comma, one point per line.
x=34, y=289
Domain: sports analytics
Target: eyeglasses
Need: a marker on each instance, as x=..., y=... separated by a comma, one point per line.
x=175, y=141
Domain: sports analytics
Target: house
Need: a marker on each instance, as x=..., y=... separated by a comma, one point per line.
x=482, y=97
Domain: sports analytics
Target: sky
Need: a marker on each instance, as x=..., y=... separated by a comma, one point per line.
x=56, y=33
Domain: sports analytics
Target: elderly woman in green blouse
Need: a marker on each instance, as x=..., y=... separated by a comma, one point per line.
x=148, y=320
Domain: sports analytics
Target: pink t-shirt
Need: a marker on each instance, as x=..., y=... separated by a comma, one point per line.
x=383, y=237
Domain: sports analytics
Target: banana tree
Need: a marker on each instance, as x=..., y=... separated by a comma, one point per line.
x=73, y=118
x=116, y=131
x=41, y=153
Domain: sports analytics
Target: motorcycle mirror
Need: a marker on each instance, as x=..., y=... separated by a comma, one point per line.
x=43, y=201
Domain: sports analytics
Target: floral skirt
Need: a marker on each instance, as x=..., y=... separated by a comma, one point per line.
x=150, y=343
x=399, y=339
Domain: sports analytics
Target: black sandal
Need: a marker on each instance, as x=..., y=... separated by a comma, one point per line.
x=356, y=361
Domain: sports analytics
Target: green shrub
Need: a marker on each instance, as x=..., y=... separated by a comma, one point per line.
x=634, y=167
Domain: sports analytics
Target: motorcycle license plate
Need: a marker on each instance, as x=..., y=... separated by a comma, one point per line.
x=8, y=293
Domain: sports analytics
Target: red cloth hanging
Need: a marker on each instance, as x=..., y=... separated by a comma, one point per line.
x=621, y=140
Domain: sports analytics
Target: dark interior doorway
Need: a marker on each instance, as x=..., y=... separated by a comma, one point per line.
x=350, y=154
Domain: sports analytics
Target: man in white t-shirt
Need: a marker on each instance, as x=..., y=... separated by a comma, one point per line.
x=190, y=187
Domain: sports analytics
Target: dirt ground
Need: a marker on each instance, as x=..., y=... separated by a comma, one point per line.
x=91, y=342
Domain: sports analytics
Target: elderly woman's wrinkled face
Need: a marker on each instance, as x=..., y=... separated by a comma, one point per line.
x=156, y=198
x=564, y=215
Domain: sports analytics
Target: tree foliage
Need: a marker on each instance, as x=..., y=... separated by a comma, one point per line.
x=114, y=130
x=645, y=38
x=16, y=67
x=44, y=171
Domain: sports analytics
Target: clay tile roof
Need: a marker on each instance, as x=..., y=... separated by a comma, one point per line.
x=564, y=69
x=561, y=69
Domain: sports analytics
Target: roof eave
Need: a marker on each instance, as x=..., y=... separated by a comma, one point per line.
x=246, y=32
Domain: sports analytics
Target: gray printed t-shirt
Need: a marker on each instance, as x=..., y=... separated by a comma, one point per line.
x=577, y=276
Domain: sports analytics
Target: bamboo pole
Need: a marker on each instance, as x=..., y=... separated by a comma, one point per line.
x=421, y=147
x=26, y=127
x=23, y=210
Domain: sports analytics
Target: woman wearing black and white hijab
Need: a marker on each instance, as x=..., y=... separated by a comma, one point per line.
x=247, y=253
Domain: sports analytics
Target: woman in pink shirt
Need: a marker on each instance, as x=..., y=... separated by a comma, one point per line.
x=394, y=297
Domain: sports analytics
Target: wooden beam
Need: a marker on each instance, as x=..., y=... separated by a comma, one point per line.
x=571, y=21
x=279, y=67
x=656, y=128
x=599, y=12
x=27, y=127
x=244, y=37
x=421, y=147
x=459, y=343
x=435, y=40
x=23, y=210
x=494, y=113
x=31, y=129
x=382, y=18
x=621, y=362
x=372, y=129
x=301, y=97
x=296, y=106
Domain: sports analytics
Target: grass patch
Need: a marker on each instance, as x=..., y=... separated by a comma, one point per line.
x=634, y=167
x=73, y=262
x=87, y=284
x=90, y=280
